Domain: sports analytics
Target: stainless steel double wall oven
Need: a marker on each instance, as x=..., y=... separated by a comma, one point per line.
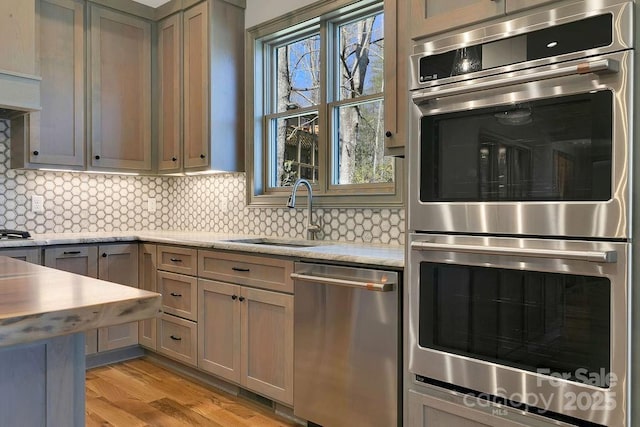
x=520, y=200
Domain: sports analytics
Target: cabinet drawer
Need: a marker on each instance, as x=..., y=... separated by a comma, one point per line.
x=31, y=255
x=443, y=410
x=179, y=294
x=178, y=260
x=263, y=272
x=178, y=339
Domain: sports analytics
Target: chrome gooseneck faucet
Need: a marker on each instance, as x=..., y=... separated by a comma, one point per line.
x=312, y=228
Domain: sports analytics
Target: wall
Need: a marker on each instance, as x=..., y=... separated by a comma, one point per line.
x=77, y=202
x=259, y=11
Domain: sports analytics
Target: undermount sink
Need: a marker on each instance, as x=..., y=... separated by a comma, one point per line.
x=278, y=242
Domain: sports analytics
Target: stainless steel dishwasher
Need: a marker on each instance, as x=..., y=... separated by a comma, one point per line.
x=346, y=335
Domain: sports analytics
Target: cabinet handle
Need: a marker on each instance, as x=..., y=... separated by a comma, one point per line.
x=175, y=260
x=173, y=337
x=97, y=157
x=173, y=294
x=388, y=134
x=234, y=297
x=242, y=270
x=241, y=299
x=174, y=159
x=104, y=255
x=71, y=252
x=202, y=156
x=35, y=153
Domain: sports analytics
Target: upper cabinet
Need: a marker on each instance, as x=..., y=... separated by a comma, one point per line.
x=396, y=84
x=435, y=16
x=120, y=90
x=200, y=104
x=55, y=136
x=19, y=87
x=170, y=94
x=196, y=87
x=98, y=100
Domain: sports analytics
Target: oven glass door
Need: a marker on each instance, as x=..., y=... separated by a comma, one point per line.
x=557, y=149
x=528, y=320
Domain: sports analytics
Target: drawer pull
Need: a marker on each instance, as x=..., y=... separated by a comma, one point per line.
x=175, y=260
x=241, y=299
x=71, y=252
x=234, y=297
x=242, y=270
x=173, y=294
x=173, y=337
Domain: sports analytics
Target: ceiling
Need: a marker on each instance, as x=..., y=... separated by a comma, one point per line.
x=152, y=3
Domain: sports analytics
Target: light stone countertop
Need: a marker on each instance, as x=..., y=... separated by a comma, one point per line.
x=374, y=255
x=37, y=303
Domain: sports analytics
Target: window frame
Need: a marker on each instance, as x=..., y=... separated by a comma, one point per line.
x=320, y=18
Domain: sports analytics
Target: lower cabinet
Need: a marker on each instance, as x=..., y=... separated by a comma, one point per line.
x=216, y=318
x=114, y=263
x=118, y=264
x=81, y=260
x=245, y=335
x=31, y=255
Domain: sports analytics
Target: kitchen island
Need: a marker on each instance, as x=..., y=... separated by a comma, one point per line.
x=43, y=314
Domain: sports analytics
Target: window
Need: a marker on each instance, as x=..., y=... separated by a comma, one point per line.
x=317, y=108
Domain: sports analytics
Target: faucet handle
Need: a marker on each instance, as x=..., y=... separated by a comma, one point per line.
x=312, y=230
x=291, y=203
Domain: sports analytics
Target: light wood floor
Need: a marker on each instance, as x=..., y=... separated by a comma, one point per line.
x=141, y=393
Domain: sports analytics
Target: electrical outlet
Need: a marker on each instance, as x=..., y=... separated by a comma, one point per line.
x=37, y=204
x=152, y=204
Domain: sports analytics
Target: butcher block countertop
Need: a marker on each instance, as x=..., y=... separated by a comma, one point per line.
x=39, y=302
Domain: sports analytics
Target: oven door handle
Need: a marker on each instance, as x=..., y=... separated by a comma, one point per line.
x=597, y=66
x=368, y=286
x=591, y=256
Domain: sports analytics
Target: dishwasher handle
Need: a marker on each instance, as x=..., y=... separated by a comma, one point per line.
x=368, y=286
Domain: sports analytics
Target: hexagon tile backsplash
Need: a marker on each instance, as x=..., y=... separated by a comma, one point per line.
x=76, y=202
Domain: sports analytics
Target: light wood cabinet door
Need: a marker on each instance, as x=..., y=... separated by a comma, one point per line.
x=81, y=260
x=56, y=134
x=18, y=35
x=120, y=85
x=170, y=94
x=148, y=329
x=396, y=77
x=219, y=329
x=118, y=264
x=31, y=255
x=196, y=87
x=245, y=335
x=435, y=16
x=267, y=343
